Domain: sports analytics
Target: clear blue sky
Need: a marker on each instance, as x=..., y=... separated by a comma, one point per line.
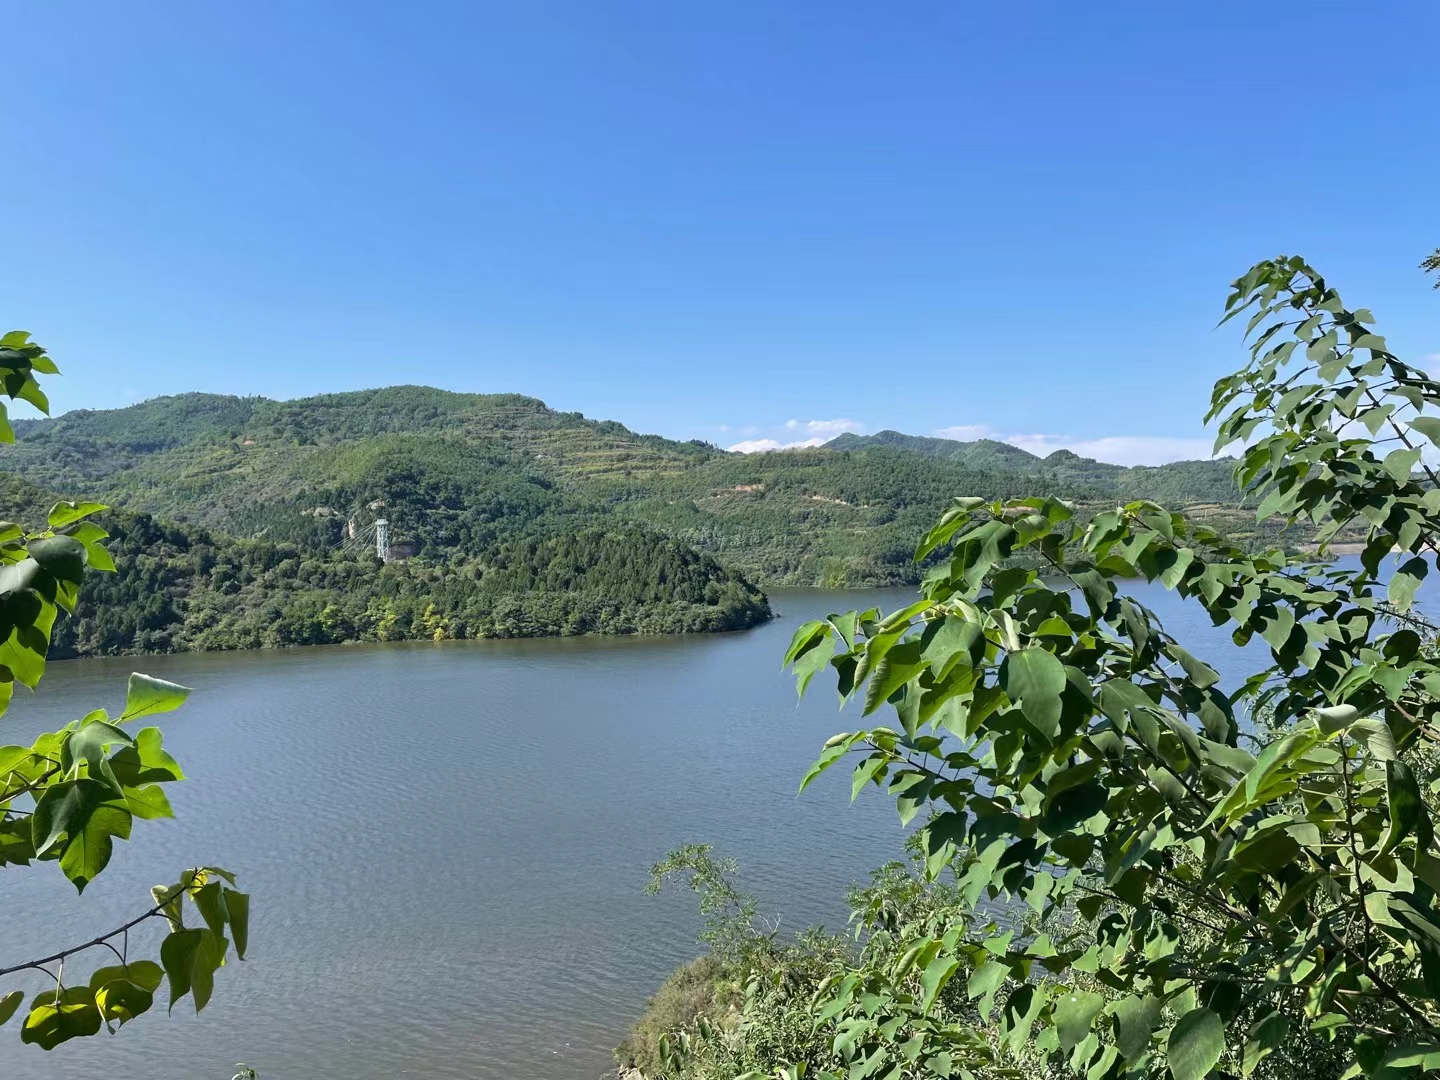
x=705, y=219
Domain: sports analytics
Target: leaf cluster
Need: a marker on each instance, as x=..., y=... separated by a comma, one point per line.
x=71, y=794
x=1067, y=753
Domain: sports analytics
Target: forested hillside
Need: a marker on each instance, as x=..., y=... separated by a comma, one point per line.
x=179, y=587
x=457, y=474
x=1179, y=482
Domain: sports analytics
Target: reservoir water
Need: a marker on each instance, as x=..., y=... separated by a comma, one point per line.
x=446, y=843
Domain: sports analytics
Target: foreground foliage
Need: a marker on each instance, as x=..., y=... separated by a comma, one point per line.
x=1075, y=755
x=1208, y=896
x=71, y=794
x=754, y=1000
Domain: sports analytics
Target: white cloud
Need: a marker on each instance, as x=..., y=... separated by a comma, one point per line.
x=824, y=428
x=1116, y=449
x=1119, y=449
x=762, y=446
x=816, y=432
x=967, y=432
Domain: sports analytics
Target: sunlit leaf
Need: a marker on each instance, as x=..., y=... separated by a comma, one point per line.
x=148, y=696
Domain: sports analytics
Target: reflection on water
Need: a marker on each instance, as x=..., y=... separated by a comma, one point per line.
x=447, y=843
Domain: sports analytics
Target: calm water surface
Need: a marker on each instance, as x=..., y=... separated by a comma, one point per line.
x=446, y=843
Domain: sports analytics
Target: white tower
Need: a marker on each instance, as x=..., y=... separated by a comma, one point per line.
x=382, y=539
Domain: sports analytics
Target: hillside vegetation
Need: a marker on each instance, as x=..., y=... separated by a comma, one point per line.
x=179, y=587
x=456, y=474
x=1180, y=482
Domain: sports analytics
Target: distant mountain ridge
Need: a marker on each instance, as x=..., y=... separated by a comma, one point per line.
x=975, y=451
x=1203, y=480
x=980, y=449
x=456, y=474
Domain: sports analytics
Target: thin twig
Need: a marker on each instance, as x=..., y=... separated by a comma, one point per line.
x=103, y=939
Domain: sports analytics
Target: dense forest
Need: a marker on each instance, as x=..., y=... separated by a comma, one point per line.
x=180, y=587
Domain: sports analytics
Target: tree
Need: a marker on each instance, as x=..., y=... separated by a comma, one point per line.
x=1224, y=888
x=69, y=796
x=1431, y=264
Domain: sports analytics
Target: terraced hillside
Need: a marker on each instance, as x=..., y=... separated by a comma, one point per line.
x=456, y=474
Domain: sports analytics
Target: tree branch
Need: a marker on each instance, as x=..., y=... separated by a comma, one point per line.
x=103, y=939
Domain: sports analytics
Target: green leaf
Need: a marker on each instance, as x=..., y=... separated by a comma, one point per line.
x=1406, y=582
x=123, y=1000
x=90, y=743
x=1035, y=679
x=23, y=651
x=1429, y=426
x=987, y=978
x=169, y=899
x=1400, y=463
x=812, y=661
x=148, y=803
x=1406, y=1058
x=1273, y=758
x=1266, y=1036
x=91, y=535
x=211, y=904
x=1103, y=1064
x=897, y=667
x=1135, y=1018
x=79, y=817
x=148, y=696
x=803, y=636
x=835, y=748
x=1073, y=806
x=63, y=557
x=238, y=905
x=865, y=772
x=66, y=513
x=145, y=973
x=63, y=809
x=9, y=1003
x=1201, y=673
x=53, y=1019
x=1376, y=735
x=1407, y=809
x=937, y=973
x=1195, y=1044
x=1176, y=563
x=1074, y=1013
x=177, y=955
x=1021, y=1010
x=156, y=762
x=1336, y=718
x=88, y=852
x=951, y=640
x=30, y=391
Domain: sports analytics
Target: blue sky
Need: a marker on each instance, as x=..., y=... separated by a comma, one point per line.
x=736, y=222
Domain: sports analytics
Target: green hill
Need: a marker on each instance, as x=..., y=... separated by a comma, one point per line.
x=469, y=481
x=1178, y=482
x=982, y=453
